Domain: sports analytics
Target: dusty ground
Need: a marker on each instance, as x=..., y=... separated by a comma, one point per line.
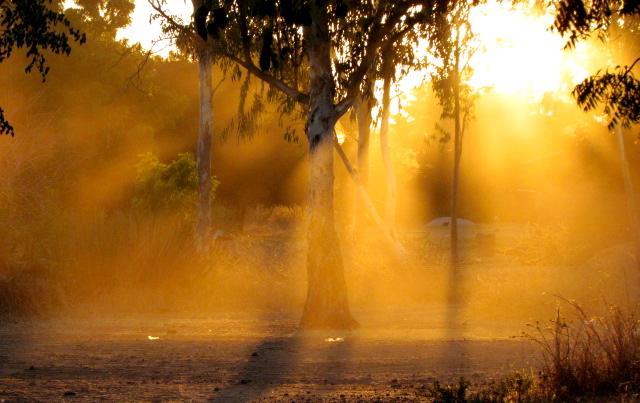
x=244, y=357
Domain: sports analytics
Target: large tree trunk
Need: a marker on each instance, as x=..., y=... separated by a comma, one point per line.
x=327, y=305
x=390, y=205
x=632, y=203
x=203, y=225
x=457, y=153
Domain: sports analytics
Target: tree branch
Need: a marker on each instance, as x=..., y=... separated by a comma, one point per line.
x=628, y=70
x=218, y=85
x=298, y=96
x=246, y=64
x=176, y=25
x=367, y=62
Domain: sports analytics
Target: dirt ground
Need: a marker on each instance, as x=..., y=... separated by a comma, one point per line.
x=243, y=357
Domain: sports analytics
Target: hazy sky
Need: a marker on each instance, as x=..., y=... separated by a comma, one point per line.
x=145, y=31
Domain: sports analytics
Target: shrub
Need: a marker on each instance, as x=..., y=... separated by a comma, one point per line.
x=456, y=393
x=168, y=187
x=587, y=359
x=517, y=387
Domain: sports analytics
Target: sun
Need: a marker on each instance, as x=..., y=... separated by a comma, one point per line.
x=148, y=32
x=518, y=54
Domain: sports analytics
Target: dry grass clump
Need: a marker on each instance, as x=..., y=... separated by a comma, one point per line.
x=590, y=356
x=514, y=388
x=587, y=359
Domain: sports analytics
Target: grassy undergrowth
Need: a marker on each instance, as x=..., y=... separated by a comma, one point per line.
x=588, y=358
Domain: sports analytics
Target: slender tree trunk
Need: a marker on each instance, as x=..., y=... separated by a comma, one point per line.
x=203, y=225
x=457, y=153
x=632, y=203
x=398, y=249
x=327, y=305
x=363, y=116
x=390, y=205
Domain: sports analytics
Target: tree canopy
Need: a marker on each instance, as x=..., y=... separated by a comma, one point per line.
x=37, y=26
x=617, y=91
x=269, y=40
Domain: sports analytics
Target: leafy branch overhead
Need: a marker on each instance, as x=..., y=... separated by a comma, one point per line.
x=577, y=20
x=617, y=92
x=268, y=38
x=38, y=26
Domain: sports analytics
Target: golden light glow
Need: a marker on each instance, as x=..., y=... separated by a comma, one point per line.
x=518, y=53
x=340, y=133
x=146, y=32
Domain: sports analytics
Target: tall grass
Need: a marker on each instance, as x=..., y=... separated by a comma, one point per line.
x=591, y=355
x=589, y=358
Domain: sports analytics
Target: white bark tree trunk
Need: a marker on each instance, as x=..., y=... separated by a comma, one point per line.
x=457, y=153
x=363, y=116
x=362, y=107
x=205, y=134
x=327, y=305
x=390, y=205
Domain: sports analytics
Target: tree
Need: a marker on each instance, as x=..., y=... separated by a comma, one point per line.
x=204, y=56
x=362, y=107
x=198, y=45
x=387, y=76
x=205, y=135
x=106, y=16
x=317, y=54
x=452, y=43
x=398, y=52
x=616, y=91
x=38, y=26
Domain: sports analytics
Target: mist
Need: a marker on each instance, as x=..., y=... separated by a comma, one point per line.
x=100, y=199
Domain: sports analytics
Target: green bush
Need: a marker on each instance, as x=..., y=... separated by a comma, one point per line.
x=164, y=187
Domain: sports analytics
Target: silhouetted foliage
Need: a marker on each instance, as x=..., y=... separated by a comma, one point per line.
x=578, y=20
x=271, y=33
x=105, y=16
x=452, y=41
x=616, y=91
x=619, y=91
x=38, y=26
